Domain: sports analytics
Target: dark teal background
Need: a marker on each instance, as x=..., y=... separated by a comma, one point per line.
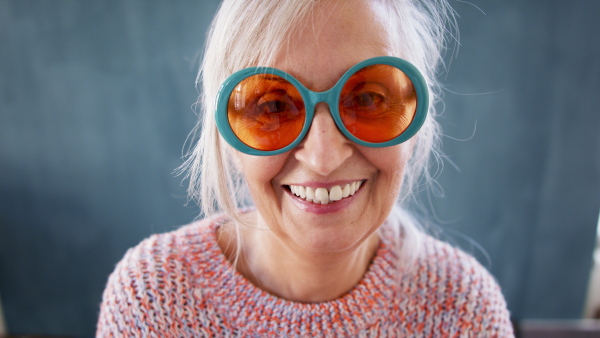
x=96, y=103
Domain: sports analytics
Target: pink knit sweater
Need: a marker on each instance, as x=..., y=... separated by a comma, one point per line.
x=180, y=284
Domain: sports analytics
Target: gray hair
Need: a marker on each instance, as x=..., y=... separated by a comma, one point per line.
x=248, y=33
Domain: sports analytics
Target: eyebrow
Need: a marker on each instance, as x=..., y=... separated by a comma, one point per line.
x=273, y=77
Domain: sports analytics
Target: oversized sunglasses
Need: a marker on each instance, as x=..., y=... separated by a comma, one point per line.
x=379, y=102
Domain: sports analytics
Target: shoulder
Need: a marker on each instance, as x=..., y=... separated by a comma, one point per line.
x=168, y=253
x=451, y=262
x=154, y=281
x=462, y=296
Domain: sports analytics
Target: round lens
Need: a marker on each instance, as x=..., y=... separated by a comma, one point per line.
x=377, y=103
x=266, y=112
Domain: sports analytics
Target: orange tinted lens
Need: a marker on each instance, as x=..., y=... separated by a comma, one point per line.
x=378, y=103
x=266, y=112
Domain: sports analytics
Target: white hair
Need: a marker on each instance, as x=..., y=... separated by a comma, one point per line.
x=248, y=33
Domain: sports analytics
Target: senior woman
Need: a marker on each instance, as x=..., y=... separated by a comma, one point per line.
x=323, y=112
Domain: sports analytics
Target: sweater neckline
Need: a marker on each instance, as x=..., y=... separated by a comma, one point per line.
x=253, y=310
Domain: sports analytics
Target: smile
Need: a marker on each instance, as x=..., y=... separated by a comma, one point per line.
x=324, y=195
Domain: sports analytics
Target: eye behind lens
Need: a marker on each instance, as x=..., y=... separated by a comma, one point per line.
x=377, y=103
x=266, y=112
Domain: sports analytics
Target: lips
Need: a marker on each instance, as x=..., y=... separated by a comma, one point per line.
x=325, y=195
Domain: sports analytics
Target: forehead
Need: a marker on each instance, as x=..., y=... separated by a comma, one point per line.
x=335, y=36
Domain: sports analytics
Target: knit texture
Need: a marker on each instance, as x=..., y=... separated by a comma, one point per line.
x=180, y=284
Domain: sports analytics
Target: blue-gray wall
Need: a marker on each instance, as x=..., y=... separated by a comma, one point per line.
x=524, y=91
x=95, y=107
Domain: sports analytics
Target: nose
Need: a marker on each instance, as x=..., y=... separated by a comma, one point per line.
x=324, y=148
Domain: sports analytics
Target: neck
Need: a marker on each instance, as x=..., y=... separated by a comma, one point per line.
x=297, y=275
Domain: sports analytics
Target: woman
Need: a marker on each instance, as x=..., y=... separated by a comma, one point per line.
x=327, y=141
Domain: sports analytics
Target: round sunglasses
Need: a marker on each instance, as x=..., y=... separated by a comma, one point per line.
x=379, y=102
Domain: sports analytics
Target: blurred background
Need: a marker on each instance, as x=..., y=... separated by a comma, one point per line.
x=96, y=104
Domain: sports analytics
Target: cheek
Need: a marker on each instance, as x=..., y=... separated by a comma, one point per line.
x=259, y=171
x=390, y=161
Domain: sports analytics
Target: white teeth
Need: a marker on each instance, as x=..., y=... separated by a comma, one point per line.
x=322, y=196
x=302, y=191
x=310, y=194
x=346, y=191
x=335, y=194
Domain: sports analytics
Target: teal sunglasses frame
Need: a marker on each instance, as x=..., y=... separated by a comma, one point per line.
x=331, y=97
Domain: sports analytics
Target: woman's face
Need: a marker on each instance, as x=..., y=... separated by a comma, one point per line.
x=318, y=54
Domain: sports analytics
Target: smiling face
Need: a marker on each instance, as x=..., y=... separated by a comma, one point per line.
x=351, y=188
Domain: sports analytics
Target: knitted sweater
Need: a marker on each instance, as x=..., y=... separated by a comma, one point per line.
x=180, y=284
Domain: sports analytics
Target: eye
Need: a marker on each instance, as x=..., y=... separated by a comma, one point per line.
x=365, y=99
x=275, y=102
x=274, y=106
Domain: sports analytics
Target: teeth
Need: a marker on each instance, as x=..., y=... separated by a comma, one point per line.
x=322, y=196
x=302, y=191
x=346, y=191
x=335, y=194
x=310, y=194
